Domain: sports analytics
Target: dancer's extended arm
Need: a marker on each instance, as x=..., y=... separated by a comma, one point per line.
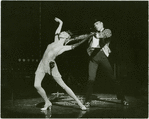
x=78, y=38
x=71, y=47
x=86, y=37
x=58, y=30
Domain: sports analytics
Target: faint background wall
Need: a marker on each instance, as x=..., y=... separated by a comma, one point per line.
x=28, y=27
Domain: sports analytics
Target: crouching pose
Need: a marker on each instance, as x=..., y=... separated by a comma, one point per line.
x=53, y=50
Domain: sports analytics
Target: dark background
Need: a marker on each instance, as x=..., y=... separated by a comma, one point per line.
x=28, y=27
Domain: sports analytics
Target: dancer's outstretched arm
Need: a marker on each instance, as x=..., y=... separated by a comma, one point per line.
x=80, y=37
x=71, y=47
x=58, y=30
x=86, y=37
x=65, y=48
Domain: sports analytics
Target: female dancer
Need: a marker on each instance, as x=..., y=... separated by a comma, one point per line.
x=53, y=50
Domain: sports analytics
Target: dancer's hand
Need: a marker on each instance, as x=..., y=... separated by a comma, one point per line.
x=58, y=30
x=58, y=20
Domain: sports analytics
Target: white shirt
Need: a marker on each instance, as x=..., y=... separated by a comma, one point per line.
x=95, y=44
x=95, y=41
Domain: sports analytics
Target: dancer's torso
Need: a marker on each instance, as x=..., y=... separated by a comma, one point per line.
x=51, y=52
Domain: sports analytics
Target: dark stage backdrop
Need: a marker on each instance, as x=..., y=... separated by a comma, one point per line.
x=28, y=27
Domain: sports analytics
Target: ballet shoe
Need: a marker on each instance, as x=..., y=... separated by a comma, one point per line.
x=46, y=107
x=83, y=108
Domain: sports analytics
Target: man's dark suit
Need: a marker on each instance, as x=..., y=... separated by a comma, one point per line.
x=98, y=59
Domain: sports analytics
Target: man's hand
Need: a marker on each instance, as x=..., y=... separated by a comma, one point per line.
x=58, y=20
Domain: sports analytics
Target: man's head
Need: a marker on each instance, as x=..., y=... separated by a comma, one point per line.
x=98, y=25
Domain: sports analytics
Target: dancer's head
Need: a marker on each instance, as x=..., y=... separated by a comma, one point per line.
x=98, y=25
x=65, y=35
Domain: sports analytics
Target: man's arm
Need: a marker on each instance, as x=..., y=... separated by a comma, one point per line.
x=58, y=30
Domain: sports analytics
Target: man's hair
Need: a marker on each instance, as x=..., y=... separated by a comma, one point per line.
x=96, y=20
x=93, y=21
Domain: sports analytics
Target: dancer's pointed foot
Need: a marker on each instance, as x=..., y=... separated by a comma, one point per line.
x=83, y=108
x=47, y=106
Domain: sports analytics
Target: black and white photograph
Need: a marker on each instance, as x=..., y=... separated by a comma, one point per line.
x=74, y=59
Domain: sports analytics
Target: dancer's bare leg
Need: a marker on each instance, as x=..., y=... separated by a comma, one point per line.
x=69, y=91
x=37, y=84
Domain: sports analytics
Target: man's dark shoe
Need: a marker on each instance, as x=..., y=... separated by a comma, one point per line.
x=87, y=104
x=124, y=102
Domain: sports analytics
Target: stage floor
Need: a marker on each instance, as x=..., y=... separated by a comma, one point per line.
x=103, y=106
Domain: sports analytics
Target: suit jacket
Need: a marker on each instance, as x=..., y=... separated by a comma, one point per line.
x=104, y=45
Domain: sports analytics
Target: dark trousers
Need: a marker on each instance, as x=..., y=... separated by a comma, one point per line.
x=100, y=60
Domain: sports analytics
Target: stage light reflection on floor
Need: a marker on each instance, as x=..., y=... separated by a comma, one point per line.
x=103, y=106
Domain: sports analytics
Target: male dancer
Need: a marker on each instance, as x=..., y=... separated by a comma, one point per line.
x=98, y=51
